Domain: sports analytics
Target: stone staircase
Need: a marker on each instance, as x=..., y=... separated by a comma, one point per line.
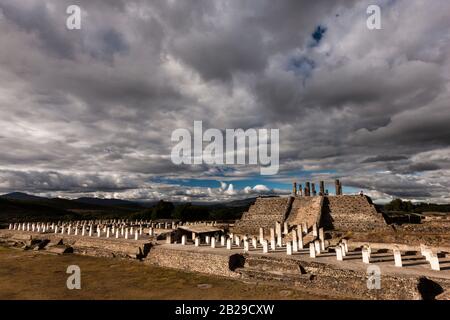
x=305, y=209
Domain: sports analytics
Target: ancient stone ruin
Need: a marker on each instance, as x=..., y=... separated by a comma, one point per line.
x=333, y=212
x=306, y=240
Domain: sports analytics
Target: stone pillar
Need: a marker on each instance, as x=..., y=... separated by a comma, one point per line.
x=300, y=190
x=90, y=230
x=278, y=233
x=107, y=232
x=322, y=239
x=207, y=238
x=229, y=243
x=338, y=250
x=62, y=229
x=56, y=229
x=305, y=228
x=150, y=231
x=313, y=187
x=315, y=233
x=131, y=231
x=168, y=238
x=246, y=248
x=312, y=250
x=285, y=228
x=76, y=231
x=344, y=253
x=254, y=243
x=300, y=242
x=272, y=235
x=294, y=188
x=307, y=189
x=237, y=241
x=126, y=233
x=222, y=240
x=136, y=235
x=289, y=248
x=317, y=246
x=197, y=241
x=213, y=242
x=265, y=246
x=261, y=235
x=272, y=244
x=321, y=188
x=294, y=241
x=398, y=258
x=33, y=227
x=183, y=239
x=434, y=262
x=365, y=255
x=338, y=186
x=117, y=233
x=345, y=243
x=193, y=236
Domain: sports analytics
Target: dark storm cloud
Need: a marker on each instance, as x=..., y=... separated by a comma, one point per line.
x=92, y=110
x=383, y=158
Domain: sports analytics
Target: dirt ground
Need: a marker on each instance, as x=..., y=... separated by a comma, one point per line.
x=37, y=275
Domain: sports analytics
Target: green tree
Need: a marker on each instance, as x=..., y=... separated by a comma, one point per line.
x=162, y=210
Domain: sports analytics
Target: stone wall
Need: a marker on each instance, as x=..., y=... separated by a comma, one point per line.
x=351, y=213
x=262, y=214
x=93, y=246
x=339, y=282
x=191, y=261
x=310, y=276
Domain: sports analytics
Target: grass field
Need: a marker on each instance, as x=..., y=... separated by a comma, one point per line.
x=36, y=275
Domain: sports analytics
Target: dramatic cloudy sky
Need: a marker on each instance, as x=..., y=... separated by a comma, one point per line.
x=91, y=111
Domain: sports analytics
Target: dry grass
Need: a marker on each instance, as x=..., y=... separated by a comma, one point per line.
x=35, y=275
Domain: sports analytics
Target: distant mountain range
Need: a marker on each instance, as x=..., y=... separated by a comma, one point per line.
x=18, y=205
x=22, y=206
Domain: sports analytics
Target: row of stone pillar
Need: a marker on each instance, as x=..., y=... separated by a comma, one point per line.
x=119, y=231
x=431, y=257
x=26, y=226
x=309, y=189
